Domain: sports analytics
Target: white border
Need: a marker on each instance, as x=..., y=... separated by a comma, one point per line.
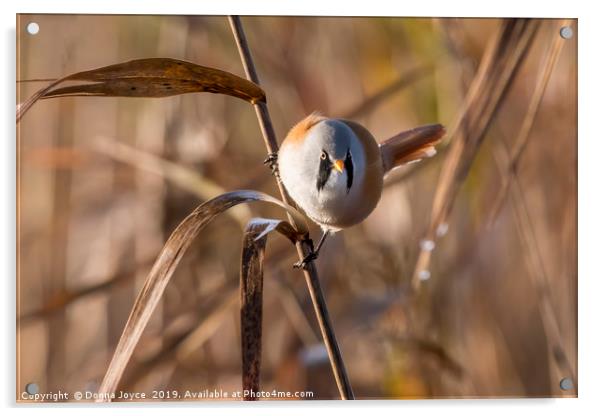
x=514, y=8
x=590, y=176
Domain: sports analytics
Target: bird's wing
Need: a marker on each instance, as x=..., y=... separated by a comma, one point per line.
x=411, y=145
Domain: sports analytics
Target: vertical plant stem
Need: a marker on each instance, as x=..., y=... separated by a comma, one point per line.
x=62, y=183
x=303, y=248
x=499, y=65
x=520, y=144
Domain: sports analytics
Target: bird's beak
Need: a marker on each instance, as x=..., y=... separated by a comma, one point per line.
x=339, y=165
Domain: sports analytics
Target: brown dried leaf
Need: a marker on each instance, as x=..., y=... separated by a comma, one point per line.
x=152, y=77
x=164, y=267
x=251, y=292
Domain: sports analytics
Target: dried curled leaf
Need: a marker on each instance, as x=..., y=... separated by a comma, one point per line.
x=152, y=77
x=165, y=265
x=251, y=292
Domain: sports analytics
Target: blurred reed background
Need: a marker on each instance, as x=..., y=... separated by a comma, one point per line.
x=104, y=181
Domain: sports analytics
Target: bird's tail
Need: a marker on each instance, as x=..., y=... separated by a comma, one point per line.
x=411, y=145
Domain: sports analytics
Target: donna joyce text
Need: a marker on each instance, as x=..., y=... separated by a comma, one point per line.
x=210, y=394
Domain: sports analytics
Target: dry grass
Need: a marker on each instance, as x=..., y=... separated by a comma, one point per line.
x=500, y=63
x=163, y=269
x=454, y=337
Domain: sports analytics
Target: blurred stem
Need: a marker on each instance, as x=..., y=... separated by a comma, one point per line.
x=177, y=174
x=509, y=174
x=56, y=281
x=508, y=171
x=507, y=161
x=405, y=80
x=62, y=299
x=501, y=60
x=538, y=274
x=303, y=247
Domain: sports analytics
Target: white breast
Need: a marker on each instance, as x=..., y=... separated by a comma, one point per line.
x=332, y=207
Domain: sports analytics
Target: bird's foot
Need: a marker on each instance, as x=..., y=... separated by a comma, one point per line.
x=272, y=162
x=302, y=264
x=313, y=255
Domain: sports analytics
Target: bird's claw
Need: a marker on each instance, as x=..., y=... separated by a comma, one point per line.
x=272, y=158
x=302, y=264
x=272, y=162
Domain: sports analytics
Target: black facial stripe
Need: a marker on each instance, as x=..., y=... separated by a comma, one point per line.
x=323, y=172
x=349, y=169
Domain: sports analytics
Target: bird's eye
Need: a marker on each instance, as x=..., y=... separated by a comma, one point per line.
x=323, y=155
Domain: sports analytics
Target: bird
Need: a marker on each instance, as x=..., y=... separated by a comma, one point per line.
x=333, y=169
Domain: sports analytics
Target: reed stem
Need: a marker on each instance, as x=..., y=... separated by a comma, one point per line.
x=303, y=248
